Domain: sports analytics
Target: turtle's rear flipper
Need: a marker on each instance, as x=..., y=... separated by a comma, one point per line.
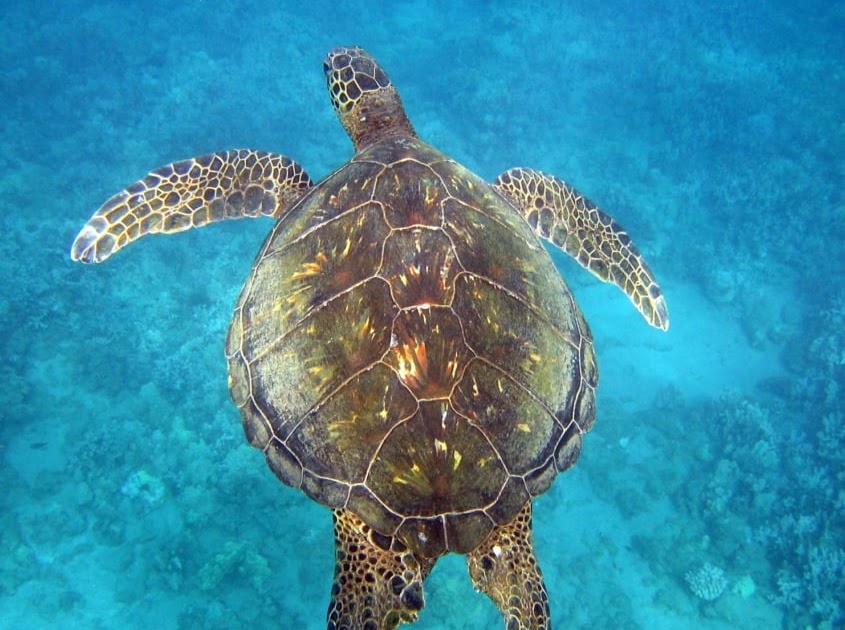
x=377, y=582
x=192, y=193
x=505, y=568
x=560, y=214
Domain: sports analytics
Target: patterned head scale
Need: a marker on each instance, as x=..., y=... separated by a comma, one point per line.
x=367, y=104
x=350, y=73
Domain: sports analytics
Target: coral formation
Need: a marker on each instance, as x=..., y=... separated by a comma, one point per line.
x=707, y=582
x=145, y=487
x=745, y=587
x=236, y=558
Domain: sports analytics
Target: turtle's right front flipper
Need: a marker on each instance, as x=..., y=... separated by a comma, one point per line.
x=192, y=193
x=560, y=214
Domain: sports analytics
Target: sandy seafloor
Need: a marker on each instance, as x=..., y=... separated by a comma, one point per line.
x=713, y=131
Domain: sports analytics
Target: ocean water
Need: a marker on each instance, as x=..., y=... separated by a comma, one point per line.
x=712, y=131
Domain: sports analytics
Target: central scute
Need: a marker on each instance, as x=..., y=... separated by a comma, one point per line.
x=406, y=349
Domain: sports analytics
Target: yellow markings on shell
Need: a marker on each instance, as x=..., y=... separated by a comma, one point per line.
x=524, y=427
x=532, y=358
x=366, y=326
x=456, y=459
x=412, y=475
x=311, y=268
x=440, y=446
x=412, y=362
x=481, y=463
x=346, y=247
x=453, y=366
x=337, y=426
x=493, y=321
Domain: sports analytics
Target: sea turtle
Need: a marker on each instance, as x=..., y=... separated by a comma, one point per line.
x=404, y=350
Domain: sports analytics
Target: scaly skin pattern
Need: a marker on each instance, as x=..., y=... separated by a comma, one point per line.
x=505, y=568
x=378, y=583
x=189, y=194
x=563, y=216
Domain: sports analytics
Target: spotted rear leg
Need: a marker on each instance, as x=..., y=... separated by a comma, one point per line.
x=193, y=193
x=505, y=568
x=378, y=583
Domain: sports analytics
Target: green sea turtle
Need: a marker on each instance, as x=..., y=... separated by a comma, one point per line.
x=404, y=350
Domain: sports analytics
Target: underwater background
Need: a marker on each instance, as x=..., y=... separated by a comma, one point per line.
x=710, y=493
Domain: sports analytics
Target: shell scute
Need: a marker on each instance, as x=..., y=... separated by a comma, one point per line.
x=340, y=437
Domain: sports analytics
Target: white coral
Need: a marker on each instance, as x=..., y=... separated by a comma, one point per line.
x=144, y=486
x=707, y=582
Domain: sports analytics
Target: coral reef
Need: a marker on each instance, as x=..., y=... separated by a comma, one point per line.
x=707, y=582
x=235, y=559
x=145, y=487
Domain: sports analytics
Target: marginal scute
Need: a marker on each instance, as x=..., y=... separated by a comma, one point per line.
x=364, y=503
x=585, y=409
x=568, y=449
x=329, y=492
x=464, y=532
x=284, y=463
x=424, y=536
x=587, y=361
x=513, y=496
x=538, y=481
x=257, y=429
x=239, y=379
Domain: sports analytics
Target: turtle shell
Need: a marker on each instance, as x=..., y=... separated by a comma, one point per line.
x=405, y=348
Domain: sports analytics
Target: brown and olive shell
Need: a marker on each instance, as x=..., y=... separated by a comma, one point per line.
x=405, y=348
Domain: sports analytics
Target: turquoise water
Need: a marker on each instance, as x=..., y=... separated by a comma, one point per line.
x=714, y=133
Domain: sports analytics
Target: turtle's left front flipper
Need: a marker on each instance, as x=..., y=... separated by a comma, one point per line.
x=193, y=193
x=560, y=214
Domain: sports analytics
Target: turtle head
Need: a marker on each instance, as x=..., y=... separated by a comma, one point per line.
x=367, y=104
